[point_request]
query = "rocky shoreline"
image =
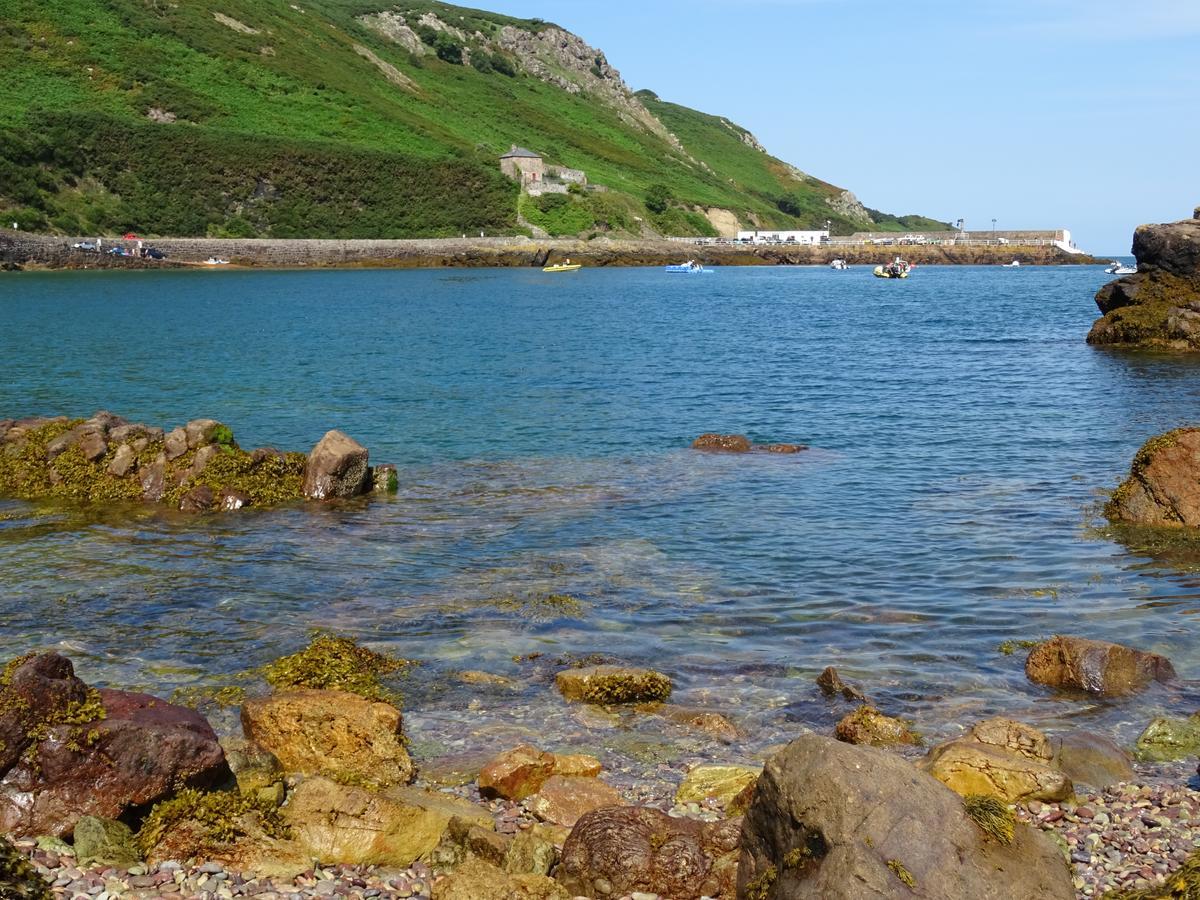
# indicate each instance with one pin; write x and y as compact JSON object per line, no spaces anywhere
{"x":319,"y":797}
{"x":19,"y":250}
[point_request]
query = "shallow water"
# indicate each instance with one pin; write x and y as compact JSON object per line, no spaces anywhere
{"x":963,"y":433}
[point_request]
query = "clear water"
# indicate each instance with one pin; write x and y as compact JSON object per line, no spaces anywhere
{"x":963,"y":433}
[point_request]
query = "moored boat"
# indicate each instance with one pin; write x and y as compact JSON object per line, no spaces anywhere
{"x":564,"y":266}
{"x":691,"y":267}
{"x":1119,"y":268}
{"x":839,"y":264}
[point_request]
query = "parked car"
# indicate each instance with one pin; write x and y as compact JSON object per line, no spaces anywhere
{"x":84,"y":245}
{"x":118,"y":251}
{"x":155,"y":253}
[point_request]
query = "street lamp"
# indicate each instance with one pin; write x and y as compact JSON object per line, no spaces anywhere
{"x":993,"y":231}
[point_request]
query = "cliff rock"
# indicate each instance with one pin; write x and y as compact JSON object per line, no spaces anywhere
{"x":1158,"y":308}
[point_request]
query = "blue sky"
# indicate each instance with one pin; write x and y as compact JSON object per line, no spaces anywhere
{"x":1083,"y":114}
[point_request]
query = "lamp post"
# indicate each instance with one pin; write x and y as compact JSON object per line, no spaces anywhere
{"x":993,"y":231}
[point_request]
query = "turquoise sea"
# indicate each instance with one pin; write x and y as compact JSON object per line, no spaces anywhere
{"x":963,"y":438}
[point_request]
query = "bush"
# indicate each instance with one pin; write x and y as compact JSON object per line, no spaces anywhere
{"x":658,"y":198}
{"x":790,"y":205}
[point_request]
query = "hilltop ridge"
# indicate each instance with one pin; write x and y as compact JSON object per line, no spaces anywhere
{"x":360,"y":118}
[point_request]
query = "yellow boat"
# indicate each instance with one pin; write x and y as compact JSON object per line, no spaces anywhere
{"x":567,"y":266}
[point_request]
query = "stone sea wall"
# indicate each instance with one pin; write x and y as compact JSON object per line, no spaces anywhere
{"x":22,"y":250}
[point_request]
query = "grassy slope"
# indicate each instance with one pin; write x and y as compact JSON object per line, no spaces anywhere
{"x":295,"y":105}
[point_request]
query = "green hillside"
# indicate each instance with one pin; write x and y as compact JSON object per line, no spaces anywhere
{"x":351,"y":118}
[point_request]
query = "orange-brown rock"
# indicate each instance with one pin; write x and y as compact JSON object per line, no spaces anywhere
{"x":1163,"y":487}
{"x":1098,"y":667}
{"x":722,"y":443}
{"x":333,"y":733}
{"x":565,"y":799}
{"x":516,"y":774}
{"x":1001,"y":758}
{"x":577,"y":764}
{"x":867,"y":725}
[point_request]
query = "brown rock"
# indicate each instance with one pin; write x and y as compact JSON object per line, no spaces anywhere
{"x":580,"y":765}
{"x":867,"y":725}
{"x":230,"y":499}
{"x":57,"y":769}
{"x":713,"y":724}
{"x":565,"y":799}
{"x":153,"y":479}
{"x":92,"y":445}
{"x":615,"y":852}
{"x":455,"y":769}
{"x":783,"y":448}
{"x":1163,"y":487}
{"x":722,"y":443}
{"x":1002,"y":758}
{"x":831,"y":683}
{"x":338,"y":823}
{"x":610,"y":685}
{"x":337,"y":467}
{"x":479,"y":880}
{"x":1092,"y":759}
{"x":463,"y":838}
{"x":830,"y":821}
{"x":124,"y":460}
{"x":1095,"y":666}
{"x":517,"y":773}
{"x":175,"y":444}
{"x":198,"y":499}
{"x":199,"y":432}
{"x":202,"y":458}
{"x":332,"y":733}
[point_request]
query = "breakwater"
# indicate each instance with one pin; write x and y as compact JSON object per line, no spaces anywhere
{"x":23,"y":250}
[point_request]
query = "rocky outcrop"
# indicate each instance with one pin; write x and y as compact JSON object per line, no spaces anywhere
{"x":1000,"y":758}
{"x":837,"y":822}
{"x":620,"y":851}
{"x":1163,"y":487}
{"x":1158,"y":308}
{"x":68,"y":751}
{"x":738,"y":443}
{"x":333,"y":733}
{"x":197,"y":467}
{"x":1098,"y":667}
{"x":848,"y":205}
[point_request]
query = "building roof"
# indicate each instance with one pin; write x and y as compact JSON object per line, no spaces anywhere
{"x":521,"y":153}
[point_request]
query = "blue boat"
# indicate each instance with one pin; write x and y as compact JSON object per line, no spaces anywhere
{"x":691,"y":267}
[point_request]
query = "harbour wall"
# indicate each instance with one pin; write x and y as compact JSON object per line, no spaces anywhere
{"x":31,"y":251}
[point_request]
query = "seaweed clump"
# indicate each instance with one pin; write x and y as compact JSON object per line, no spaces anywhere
{"x":992,"y":815}
{"x":19,"y":880}
{"x":216,"y":819}
{"x":1183,"y":884}
{"x":336,"y":663}
{"x":902,"y":873}
{"x":1008,"y":648}
{"x":760,"y":887}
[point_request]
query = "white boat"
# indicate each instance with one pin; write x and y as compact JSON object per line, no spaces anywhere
{"x":213,"y":261}
{"x":1015,"y":264}
{"x":839,"y":264}
{"x":691,"y":267}
{"x":1118,"y":268}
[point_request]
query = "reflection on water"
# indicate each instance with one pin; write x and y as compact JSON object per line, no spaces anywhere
{"x":964,"y":436}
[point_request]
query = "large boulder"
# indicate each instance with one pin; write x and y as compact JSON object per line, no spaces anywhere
{"x":337,"y":467}
{"x":334,"y":733}
{"x":1093,"y":759}
{"x":1159,"y":307}
{"x":68,"y":751}
{"x":1098,"y":667}
{"x":1001,"y":758}
{"x":1163,"y":487}
{"x":338,"y":823}
{"x":831,"y":821}
{"x":565,"y":799}
{"x":619,"y":851}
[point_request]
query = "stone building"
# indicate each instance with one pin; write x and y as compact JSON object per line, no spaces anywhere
{"x":535,"y":177}
{"x":523,"y":166}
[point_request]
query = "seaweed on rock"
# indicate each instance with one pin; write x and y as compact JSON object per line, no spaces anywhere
{"x":336,"y":663}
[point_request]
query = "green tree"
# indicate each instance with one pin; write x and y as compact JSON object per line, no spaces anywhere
{"x":658,"y":198}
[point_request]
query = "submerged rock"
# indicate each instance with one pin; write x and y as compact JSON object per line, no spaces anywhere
{"x":1092,"y":759}
{"x":1169,"y":738}
{"x":1098,"y":667}
{"x":837,"y":822}
{"x":67,"y":750}
{"x":831,"y":685}
{"x":720,"y":783}
{"x":1163,"y":487}
{"x":867,"y":725}
{"x":612,"y":685}
{"x":623,"y":850}
{"x":739,"y":443}
{"x":1000,"y":758}
{"x":1159,"y":307}
{"x":334,"y":733}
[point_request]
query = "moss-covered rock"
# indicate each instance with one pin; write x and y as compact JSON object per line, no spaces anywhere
{"x":613,"y":685}
{"x":104,"y":842}
{"x":1163,"y":487}
{"x":867,"y":725}
{"x":337,"y":663}
{"x":1169,"y":738}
